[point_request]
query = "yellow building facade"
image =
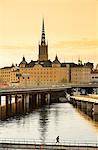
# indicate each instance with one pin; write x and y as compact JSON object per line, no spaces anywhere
{"x":80,"y":74}
{"x":36,"y":73}
{"x":44,"y":72}
{"x":39,"y":75}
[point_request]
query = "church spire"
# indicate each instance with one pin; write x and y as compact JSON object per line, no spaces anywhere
{"x":43,"y":47}
{"x":43,"y":34}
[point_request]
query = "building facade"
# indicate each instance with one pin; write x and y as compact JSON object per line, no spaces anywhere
{"x":44,"y":72}
{"x":80,"y":74}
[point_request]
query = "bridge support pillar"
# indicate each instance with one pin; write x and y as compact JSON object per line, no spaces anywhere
{"x":8,"y":105}
{"x":74,"y":102}
{"x":8,"y":97}
{"x":38,"y":98}
{"x":84,"y":106}
{"x":95,"y":108}
{"x":96,"y":90}
{"x":24,"y":102}
{"x":16,"y":103}
{"x":10,"y":102}
{"x":89,"y":108}
{"x":47,"y":98}
{"x":13,"y":105}
{"x":3,"y":107}
{"x":43,"y":98}
{"x":34,"y":99}
{"x":0,"y":106}
{"x":95,"y":111}
{"x":79,"y":104}
{"x":19,"y":104}
{"x":0,"y":99}
{"x":30,"y":101}
{"x":27,"y":102}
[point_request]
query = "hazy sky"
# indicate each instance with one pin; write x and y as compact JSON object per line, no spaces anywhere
{"x":71,"y":28}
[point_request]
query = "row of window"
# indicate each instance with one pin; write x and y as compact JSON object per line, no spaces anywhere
{"x":42,"y":69}
{"x":95,"y":77}
{"x":5,"y":75}
{"x":37,"y":77}
{"x":43,"y":72}
{"x":43,"y":80}
{"x":5,"y":72}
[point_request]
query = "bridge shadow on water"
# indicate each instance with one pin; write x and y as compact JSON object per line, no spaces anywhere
{"x":23,"y":107}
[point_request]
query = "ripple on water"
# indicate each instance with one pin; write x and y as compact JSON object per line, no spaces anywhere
{"x":50,"y":121}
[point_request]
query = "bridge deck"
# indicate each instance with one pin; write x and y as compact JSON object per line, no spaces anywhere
{"x":33,"y":89}
{"x":91,"y":98}
{"x":20,"y":144}
{"x":17,"y":146}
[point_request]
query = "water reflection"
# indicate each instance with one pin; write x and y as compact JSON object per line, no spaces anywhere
{"x":43,"y":122}
{"x":89,"y":118}
{"x":49,"y":121}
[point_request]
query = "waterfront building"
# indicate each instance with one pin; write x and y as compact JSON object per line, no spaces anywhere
{"x":81,"y":73}
{"x":94,"y":75}
{"x":44,"y":72}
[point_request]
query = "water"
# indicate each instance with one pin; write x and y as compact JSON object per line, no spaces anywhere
{"x":49,"y":121}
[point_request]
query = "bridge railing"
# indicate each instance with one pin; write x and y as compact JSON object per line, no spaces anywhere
{"x":49,"y":142}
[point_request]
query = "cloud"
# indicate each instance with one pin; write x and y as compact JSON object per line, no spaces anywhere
{"x":76,"y":44}
{"x":10,"y":47}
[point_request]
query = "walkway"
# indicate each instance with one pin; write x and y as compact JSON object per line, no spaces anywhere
{"x":11,"y":144}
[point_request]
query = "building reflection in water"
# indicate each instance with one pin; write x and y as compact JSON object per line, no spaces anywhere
{"x":46,"y":122}
{"x":43,"y":122}
{"x":16,"y":105}
{"x":26,"y":104}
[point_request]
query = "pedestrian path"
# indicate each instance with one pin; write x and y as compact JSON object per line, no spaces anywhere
{"x":14,"y":144}
{"x":44,"y":147}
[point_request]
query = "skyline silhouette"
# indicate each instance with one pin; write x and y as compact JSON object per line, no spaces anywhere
{"x":71,"y":29}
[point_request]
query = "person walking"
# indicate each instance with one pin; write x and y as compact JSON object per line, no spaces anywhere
{"x":57,"y":139}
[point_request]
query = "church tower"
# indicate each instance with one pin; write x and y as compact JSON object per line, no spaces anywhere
{"x":43,"y":47}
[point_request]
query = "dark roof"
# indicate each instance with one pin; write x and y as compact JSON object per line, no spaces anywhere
{"x":32,"y":63}
{"x":63,"y":64}
{"x":56,"y":61}
{"x":23,"y":61}
{"x":89,"y":64}
{"x":47,"y":63}
{"x":71,"y":64}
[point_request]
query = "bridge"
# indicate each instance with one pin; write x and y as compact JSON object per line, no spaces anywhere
{"x":16,"y":99}
{"x":85,"y":85}
{"x":21,"y":90}
{"x":33,"y":90}
{"x":20,"y":144}
{"x":19,"y":100}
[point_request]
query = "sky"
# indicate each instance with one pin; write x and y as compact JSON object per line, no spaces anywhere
{"x":71,"y":28}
